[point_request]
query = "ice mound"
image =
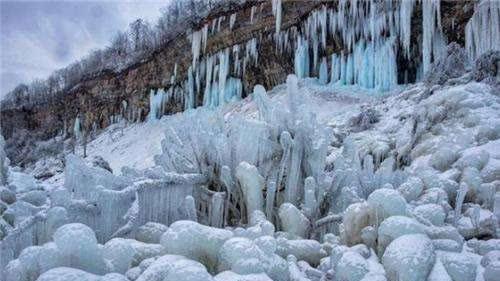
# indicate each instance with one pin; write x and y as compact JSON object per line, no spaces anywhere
{"x":173,"y":268}
{"x":195,"y":241}
{"x":409,"y":257}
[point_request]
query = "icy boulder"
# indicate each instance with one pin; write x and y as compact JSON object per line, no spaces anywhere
{"x":351,"y":267}
{"x":293,"y":221}
{"x":387,"y":202}
{"x":23,"y":182}
{"x":243,"y":256}
{"x":78,"y":244}
{"x":195,"y":241}
{"x":151,"y":232}
{"x":409,"y":257}
{"x":252,"y":184}
{"x":72,"y":274}
{"x":33,"y":261}
{"x":492,"y":271}
{"x":394,"y":227}
{"x":443,"y":158}
{"x":486,"y":67}
{"x":460,"y":266}
{"x":174,"y":268}
{"x":432,"y":213}
{"x":119,"y":254}
{"x":411,"y":189}
{"x":453,"y":64}
{"x":307,"y":250}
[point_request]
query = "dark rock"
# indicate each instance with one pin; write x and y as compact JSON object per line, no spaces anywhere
{"x":98,"y":161}
{"x":453,"y":65}
{"x":364,"y":120}
{"x":487,"y":68}
{"x":7,"y":195}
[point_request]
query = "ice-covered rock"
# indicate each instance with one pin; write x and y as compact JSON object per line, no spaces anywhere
{"x":174,"y":268}
{"x":432,"y":213}
{"x":78,"y":244}
{"x":394,"y":227}
{"x":23,"y":182}
{"x":387,"y":202}
{"x":452,"y":64}
{"x":151,"y":232}
{"x":411,"y":189}
{"x":492,"y":271}
{"x":409,"y":257}
{"x":195,"y":241}
{"x":351,"y":267}
{"x":119,"y":253}
{"x":243,"y":256}
{"x":34,"y":197}
{"x":307,"y":250}
{"x":460,"y":266}
{"x":6,"y":195}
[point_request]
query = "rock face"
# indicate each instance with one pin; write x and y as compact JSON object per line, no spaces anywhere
{"x":107,"y":95}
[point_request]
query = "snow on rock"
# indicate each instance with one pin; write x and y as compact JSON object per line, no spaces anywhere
{"x":243,"y":256}
{"x":387,"y":202}
{"x":351,"y":267}
{"x":78,"y":243}
{"x":432,"y":213}
{"x":119,"y":254}
{"x":394,"y":227}
{"x":409,"y":257}
{"x":151,"y":232}
{"x":173,"y":268}
{"x":195,"y":241}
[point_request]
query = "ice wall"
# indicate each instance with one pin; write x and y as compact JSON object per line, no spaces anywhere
{"x":482,"y":32}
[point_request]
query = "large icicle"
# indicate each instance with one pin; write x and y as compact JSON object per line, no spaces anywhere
{"x":277,"y":13}
{"x":482,"y":32}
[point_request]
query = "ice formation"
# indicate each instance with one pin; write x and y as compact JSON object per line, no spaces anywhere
{"x":303,"y":182}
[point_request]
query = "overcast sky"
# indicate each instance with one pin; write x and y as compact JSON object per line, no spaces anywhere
{"x":38,"y":37}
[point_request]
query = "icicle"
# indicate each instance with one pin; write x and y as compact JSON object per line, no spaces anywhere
{"x":77,"y":130}
{"x":232,"y":20}
{"x":196,"y":38}
{"x":482,"y":32}
{"x":190,"y":208}
{"x":252,"y":14}
{"x":430,"y":18}
{"x":277,"y":13}
{"x":405,"y":13}
{"x":301,"y":60}
{"x":189,"y":104}
{"x":270,"y":195}
{"x":323,"y":72}
{"x":223,"y":72}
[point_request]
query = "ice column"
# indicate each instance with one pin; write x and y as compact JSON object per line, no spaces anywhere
{"x":482,"y":32}
{"x":277,"y":13}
